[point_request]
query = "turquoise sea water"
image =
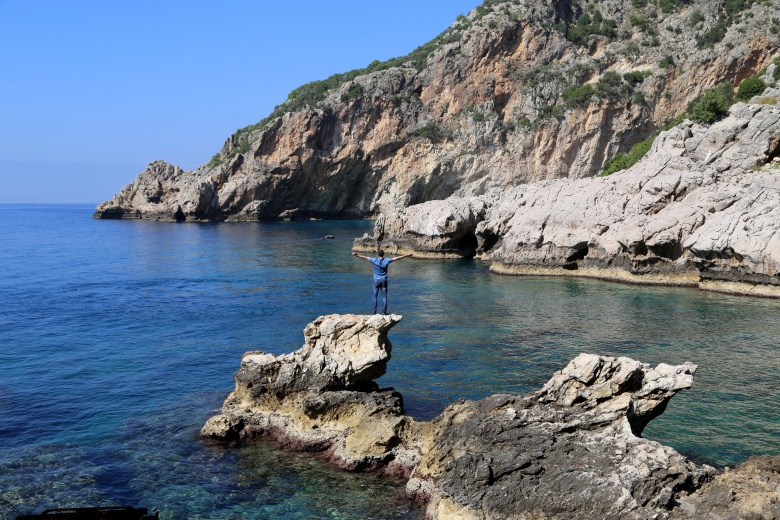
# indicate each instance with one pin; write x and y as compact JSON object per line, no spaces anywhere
{"x":119,"y":338}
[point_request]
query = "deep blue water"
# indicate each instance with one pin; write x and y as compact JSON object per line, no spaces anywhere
{"x":119,"y":338}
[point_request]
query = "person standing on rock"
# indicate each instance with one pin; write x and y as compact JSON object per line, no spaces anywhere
{"x":380,"y":276}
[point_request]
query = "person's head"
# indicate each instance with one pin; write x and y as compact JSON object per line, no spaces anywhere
{"x":380,"y":253}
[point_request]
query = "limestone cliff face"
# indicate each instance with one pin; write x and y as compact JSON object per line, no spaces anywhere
{"x":482,"y":112}
{"x":699,"y":209}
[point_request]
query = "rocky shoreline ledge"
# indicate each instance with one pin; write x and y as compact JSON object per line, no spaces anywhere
{"x":570,"y":450}
{"x":700,"y":209}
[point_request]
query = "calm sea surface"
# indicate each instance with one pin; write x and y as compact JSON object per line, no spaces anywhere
{"x":118,"y":339}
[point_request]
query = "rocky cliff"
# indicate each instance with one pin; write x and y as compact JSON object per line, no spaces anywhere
{"x":517,"y":91}
{"x":699,"y":209}
{"x":571,"y":450}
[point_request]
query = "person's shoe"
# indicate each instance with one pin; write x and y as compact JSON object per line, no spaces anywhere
{"x":384,"y":314}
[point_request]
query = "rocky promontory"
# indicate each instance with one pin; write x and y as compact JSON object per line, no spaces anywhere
{"x":573,"y":449}
{"x":700,"y":209}
{"x":517,"y":91}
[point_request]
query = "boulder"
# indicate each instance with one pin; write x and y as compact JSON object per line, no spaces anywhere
{"x":438,"y":229}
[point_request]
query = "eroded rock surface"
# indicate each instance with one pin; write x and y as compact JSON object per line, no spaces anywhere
{"x":322,"y":397}
{"x":749,"y":491}
{"x":571,"y":450}
{"x":481,"y":111}
{"x":699,"y":209}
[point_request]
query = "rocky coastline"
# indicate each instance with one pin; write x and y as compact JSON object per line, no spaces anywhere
{"x":515,"y":92}
{"x":573,"y":449}
{"x":698,"y":210}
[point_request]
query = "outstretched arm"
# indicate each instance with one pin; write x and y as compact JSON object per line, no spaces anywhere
{"x":402,"y":257}
{"x":360,"y":256}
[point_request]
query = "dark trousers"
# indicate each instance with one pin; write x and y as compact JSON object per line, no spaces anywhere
{"x":380,"y":285}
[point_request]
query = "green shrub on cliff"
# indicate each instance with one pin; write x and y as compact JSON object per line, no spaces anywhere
{"x":587,"y":26}
{"x":355,"y":91}
{"x":612,"y":86}
{"x":622,"y":161}
{"x":712,"y":105}
{"x":215,"y":161}
{"x":669,"y":6}
{"x":578,"y":96}
{"x":750,"y":87}
{"x":432,"y":131}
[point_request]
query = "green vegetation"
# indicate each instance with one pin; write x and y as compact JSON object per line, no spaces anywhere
{"x":695,"y":18}
{"x":432,"y":132}
{"x":218,"y":159}
{"x":669,"y":6}
{"x":714,"y":35}
{"x":667,"y":62}
{"x":730,"y":11}
{"x":355,"y":91}
{"x":630,"y":50}
{"x":750,"y":87}
{"x":642,"y":23}
{"x":712,"y":105}
{"x":621,"y":161}
{"x":587,"y":26}
{"x":215,"y":161}
{"x":611,"y":85}
{"x":578,"y":96}
{"x":636,"y":77}
{"x":776,"y":73}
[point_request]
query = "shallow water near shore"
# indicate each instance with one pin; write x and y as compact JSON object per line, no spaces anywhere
{"x":118,"y":339}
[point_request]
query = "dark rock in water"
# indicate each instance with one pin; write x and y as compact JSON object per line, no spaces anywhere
{"x":571,"y":450}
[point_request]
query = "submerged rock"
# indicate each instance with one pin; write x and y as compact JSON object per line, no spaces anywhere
{"x":573,"y":449}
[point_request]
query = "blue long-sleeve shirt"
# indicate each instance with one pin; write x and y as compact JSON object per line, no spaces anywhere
{"x":380,"y":267}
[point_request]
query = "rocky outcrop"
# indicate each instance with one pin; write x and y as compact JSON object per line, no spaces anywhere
{"x":699,"y":209}
{"x":476,"y":111}
{"x":751,"y":490}
{"x":439,"y":229}
{"x":571,"y":450}
{"x":322,"y":397}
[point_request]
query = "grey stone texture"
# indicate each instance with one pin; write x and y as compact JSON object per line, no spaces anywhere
{"x":571,"y":450}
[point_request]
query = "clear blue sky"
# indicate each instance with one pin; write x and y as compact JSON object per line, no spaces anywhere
{"x":91,"y":91}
